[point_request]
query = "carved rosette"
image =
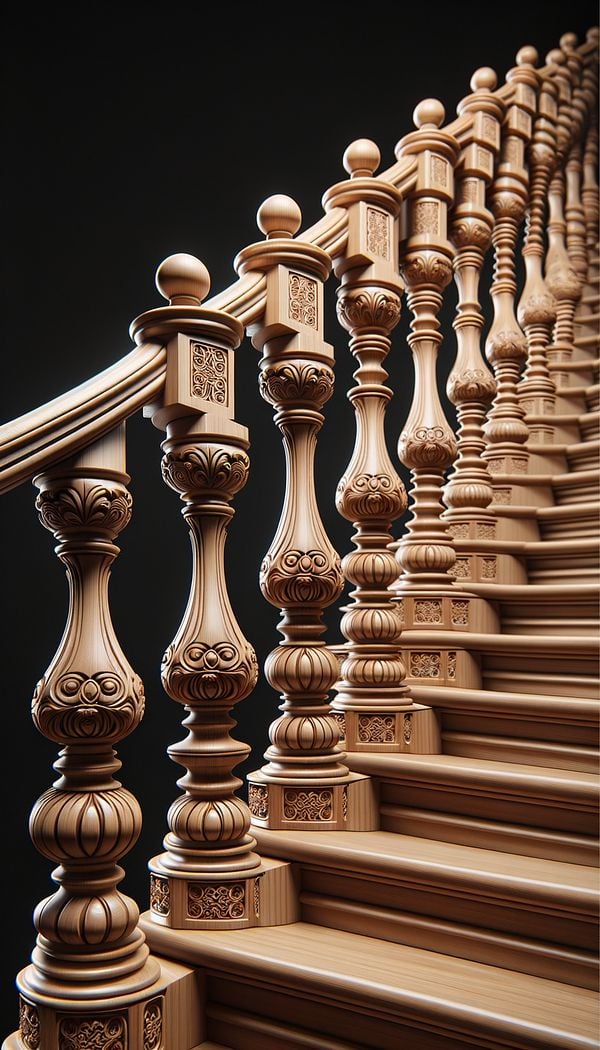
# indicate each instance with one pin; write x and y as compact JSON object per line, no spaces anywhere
{"x":88,"y":700}
{"x":209,"y":667}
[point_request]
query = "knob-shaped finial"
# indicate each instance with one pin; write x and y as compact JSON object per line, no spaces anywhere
{"x":555,"y":57}
{"x":183,"y":280}
{"x":279,"y":216}
{"x":527,"y":56}
{"x":362,"y":158}
{"x":568,"y":41}
{"x":593,"y":35}
{"x":429,"y":113}
{"x":484,"y":79}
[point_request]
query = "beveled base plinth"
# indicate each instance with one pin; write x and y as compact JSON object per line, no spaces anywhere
{"x":266,"y":896}
{"x":350,"y":805}
{"x":412,"y":730}
{"x":451,"y":610}
{"x":147,"y":1019}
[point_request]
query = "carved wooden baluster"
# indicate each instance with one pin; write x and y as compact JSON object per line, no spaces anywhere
{"x":574,"y":213}
{"x":506,"y":346}
{"x":537,"y":308}
{"x":305,"y":783}
{"x":561,"y":278}
{"x":208,"y":875}
{"x":91,"y":973}
{"x":373,"y":705}
{"x":427,"y":444}
{"x":471,"y":386}
{"x":589,"y":191}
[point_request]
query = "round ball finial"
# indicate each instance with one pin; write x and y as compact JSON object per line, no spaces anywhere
{"x":527,"y":56}
{"x":429,"y":113}
{"x":555,"y":57}
{"x":279,"y":216}
{"x":568,"y":41}
{"x":362,"y":158}
{"x":183,"y":279}
{"x":593,"y":35}
{"x":484,"y":79}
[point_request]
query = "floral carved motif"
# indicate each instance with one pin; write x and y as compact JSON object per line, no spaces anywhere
{"x":371,"y":495}
{"x":306,"y":382}
{"x":461,"y":569}
{"x":307,"y":805}
{"x":486,"y":532}
{"x":340,"y":718}
{"x":469,"y":232}
{"x":258,"y":800}
{"x":257,"y":897}
{"x":202,"y":671}
{"x":193,"y":468}
{"x":427,"y":447}
{"x":472,"y":384}
{"x":302,"y":301}
{"x":376,"y":729}
{"x":361,"y":308}
{"x":427,"y":268}
{"x":502,"y":496}
{"x":106,"y":705}
{"x":509,"y":206}
{"x":160,"y":897}
{"x":428,"y":611}
{"x":209,"y":379}
{"x":451,"y":665}
{"x":439,"y":172}
{"x":208,"y":900}
{"x":29,"y":1024}
{"x":425,"y":665}
{"x":86,"y":504}
{"x":378,"y":233}
{"x":299,"y":577}
{"x":488,"y":568}
{"x":153,"y":1024}
{"x":93,"y":1033}
{"x":425,"y":217}
{"x":460,"y":531}
{"x":460,"y":613}
{"x":407,"y":727}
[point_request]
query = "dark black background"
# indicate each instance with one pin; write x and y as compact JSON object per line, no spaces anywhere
{"x":127,"y":139}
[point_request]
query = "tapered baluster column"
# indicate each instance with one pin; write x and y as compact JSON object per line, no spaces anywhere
{"x":471,"y":386}
{"x":209,"y":875}
{"x":589,"y":191}
{"x":305,"y":783}
{"x":373,"y":705}
{"x":574,"y":213}
{"x":91,"y":975}
{"x":537,"y":308}
{"x":506,"y":346}
{"x":561,"y":278}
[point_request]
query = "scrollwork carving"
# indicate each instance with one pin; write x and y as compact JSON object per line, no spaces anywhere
{"x":203,"y":671}
{"x":160,"y":896}
{"x":368,"y":308}
{"x":371,"y":496}
{"x":475,"y":384}
{"x":286,"y":383}
{"x":307,"y":805}
{"x":29,"y":1024}
{"x":93,"y":1033}
{"x":205,"y":468}
{"x":258,"y":801}
{"x":376,"y":729}
{"x":84,"y":505}
{"x":425,"y":665}
{"x":153,"y":1024}
{"x":427,"y":447}
{"x":212,"y":901}
{"x":297,"y":577}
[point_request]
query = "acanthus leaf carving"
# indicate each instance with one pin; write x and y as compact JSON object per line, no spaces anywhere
{"x":427,"y":268}
{"x":359,"y":308}
{"x":85,"y":504}
{"x":202,"y":468}
{"x":288,"y":382}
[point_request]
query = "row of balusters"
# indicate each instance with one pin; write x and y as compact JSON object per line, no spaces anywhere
{"x":530,"y":159}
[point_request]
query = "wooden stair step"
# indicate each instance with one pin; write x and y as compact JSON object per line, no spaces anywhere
{"x":570,"y":560}
{"x":585,"y":341}
{"x":568,"y":520}
{"x":369,"y":993}
{"x":536,"y":797}
{"x":576,"y":487}
{"x":498,"y":677}
{"x":527,"y":752}
{"x":583,"y":454}
{"x":593,"y":317}
{"x":589,"y":425}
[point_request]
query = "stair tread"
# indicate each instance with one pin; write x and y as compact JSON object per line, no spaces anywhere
{"x":574,"y":709}
{"x":502,"y":643}
{"x":394,"y":978}
{"x":508,"y":777}
{"x":505,"y":875}
{"x":566,"y":510}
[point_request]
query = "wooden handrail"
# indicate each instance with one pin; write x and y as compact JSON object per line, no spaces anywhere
{"x":67,"y":424}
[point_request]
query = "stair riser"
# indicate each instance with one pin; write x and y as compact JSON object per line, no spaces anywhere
{"x":569,"y":528}
{"x":545,"y":684}
{"x":543,"y":730}
{"x":527,"y":753}
{"x":485,"y":834}
{"x":540,"y":625}
{"x":544,"y":664}
{"x":396,"y":924}
{"x":248,"y":1016}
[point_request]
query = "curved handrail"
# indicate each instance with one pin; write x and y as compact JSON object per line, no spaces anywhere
{"x":65,"y":425}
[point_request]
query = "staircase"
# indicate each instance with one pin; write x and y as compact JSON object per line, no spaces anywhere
{"x":461,"y":910}
{"x":471,"y":917}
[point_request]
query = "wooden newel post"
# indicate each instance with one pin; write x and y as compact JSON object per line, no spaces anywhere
{"x":305,"y":783}
{"x":91,"y":982}
{"x":209,"y":875}
{"x":373,"y":705}
{"x":471,"y":386}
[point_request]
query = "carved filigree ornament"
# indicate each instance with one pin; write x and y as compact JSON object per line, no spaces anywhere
{"x":371,"y":495}
{"x":302,"y":303}
{"x":212,"y":901}
{"x":362,"y":308}
{"x":85,"y":505}
{"x":29,"y":1024}
{"x":427,"y":447}
{"x":93,"y":1033}
{"x":153,"y":1024}
{"x":160,"y":897}
{"x":78,"y":706}
{"x":377,"y":729}
{"x":209,"y":672}
{"x":299,"y":577}
{"x":211,"y":468}
{"x":307,"y":805}
{"x":289,"y":382}
{"x":258,"y":801}
{"x":209,"y":379}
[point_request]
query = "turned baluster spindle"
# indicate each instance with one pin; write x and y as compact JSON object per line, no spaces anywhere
{"x":372,"y":701}
{"x":537,"y":308}
{"x":91,"y":962}
{"x":305,"y":782}
{"x":506,"y":346}
{"x":471,"y":386}
{"x":207,"y":875}
{"x":560,"y":276}
{"x":427,"y":445}
{"x":574,"y":213}
{"x":589,"y":191}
